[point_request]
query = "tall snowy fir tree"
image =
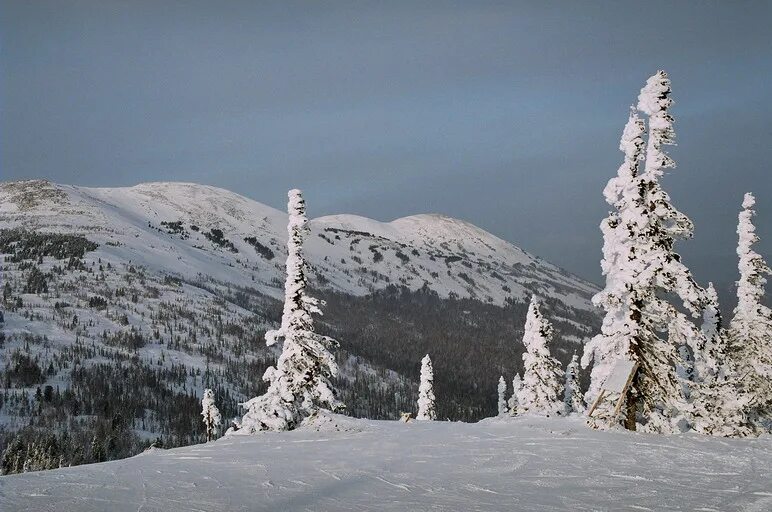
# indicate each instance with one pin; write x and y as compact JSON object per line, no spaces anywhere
{"x":517,"y":385}
{"x":211,"y":414}
{"x":621,"y":323}
{"x":299,"y":385}
{"x":502,"y":396}
{"x":542,"y":377}
{"x":572,"y":394}
{"x":641,"y":268}
{"x":750,"y":331}
{"x":426,"y":407}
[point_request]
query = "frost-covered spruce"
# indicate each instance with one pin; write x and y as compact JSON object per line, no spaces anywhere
{"x":712,"y":360}
{"x":708,"y":356}
{"x":211,"y":414}
{"x":666,"y":224}
{"x":718,"y":407}
{"x":299,"y":385}
{"x":679,"y":331}
{"x":542,"y":388}
{"x":572,"y":394}
{"x":502,"y":400}
{"x":622,"y":320}
{"x":641,"y":267}
{"x":426,"y":407}
{"x":750,"y":331}
{"x":517,"y":385}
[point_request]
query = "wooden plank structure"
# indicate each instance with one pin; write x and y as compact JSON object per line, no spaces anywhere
{"x":618,"y":381}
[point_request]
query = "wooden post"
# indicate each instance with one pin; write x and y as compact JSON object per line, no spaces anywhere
{"x":596,"y":402}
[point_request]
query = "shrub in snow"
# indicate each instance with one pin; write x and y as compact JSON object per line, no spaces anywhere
{"x":572,"y":395}
{"x":502,"y":400}
{"x":642,"y":270}
{"x":211,"y":414}
{"x":542,"y":378}
{"x":517,"y":385}
{"x":426,"y":407}
{"x":750,"y":331}
{"x":299,"y":385}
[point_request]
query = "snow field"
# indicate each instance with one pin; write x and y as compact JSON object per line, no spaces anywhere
{"x":525,"y":463}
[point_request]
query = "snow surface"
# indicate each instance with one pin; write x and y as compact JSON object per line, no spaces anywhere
{"x":531,"y":464}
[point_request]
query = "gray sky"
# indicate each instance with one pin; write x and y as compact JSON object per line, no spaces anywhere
{"x":505,"y":114}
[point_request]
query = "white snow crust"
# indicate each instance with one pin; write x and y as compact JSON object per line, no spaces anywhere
{"x":341,"y":464}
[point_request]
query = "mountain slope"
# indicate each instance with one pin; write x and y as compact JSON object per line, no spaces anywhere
{"x":348,"y":253}
{"x":121,"y":305}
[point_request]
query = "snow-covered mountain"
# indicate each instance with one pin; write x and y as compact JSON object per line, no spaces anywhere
{"x":120,"y":305}
{"x":173,"y":228}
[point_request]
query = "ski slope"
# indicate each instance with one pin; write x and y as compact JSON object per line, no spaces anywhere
{"x":342,"y":464}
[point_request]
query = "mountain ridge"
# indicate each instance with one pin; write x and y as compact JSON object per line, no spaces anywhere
{"x":491,"y":272}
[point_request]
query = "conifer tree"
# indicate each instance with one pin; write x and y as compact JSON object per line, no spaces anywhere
{"x":750,"y":331}
{"x":711,"y":360}
{"x":502,"y":391}
{"x":517,"y":385}
{"x":211,"y":414}
{"x":572,"y":395}
{"x":683,"y":334}
{"x":426,"y":407}
{"x":300,"y":383}
{"x":718,"y":407}
{"x":621,"y":323}
{"x":542,"y":377}
{"x":642,"y":269}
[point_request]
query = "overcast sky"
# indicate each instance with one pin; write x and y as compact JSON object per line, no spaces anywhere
{"x":505,"y":114}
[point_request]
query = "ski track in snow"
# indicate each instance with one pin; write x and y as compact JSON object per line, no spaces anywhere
{"x":530,"y":464}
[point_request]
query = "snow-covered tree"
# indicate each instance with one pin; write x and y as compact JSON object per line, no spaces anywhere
{"x":502,"y":391}
{"x":711,"y":360}
{"x":682,"y":333}
{"x":642,"y":270}
{"x":426,"y":408}
{"x":542,"y":376}
{"x":572,"y":394}
{"x":299,"y":385}
{"x":718,"y":406}
{"x":517,"y":385}
{"x":622,"y":320}
{"x":751,"y":317}
{"x":750,"y":331}
{"x":211,"y":414}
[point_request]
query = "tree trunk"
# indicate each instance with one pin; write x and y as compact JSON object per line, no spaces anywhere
{"x":632,"y":407}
